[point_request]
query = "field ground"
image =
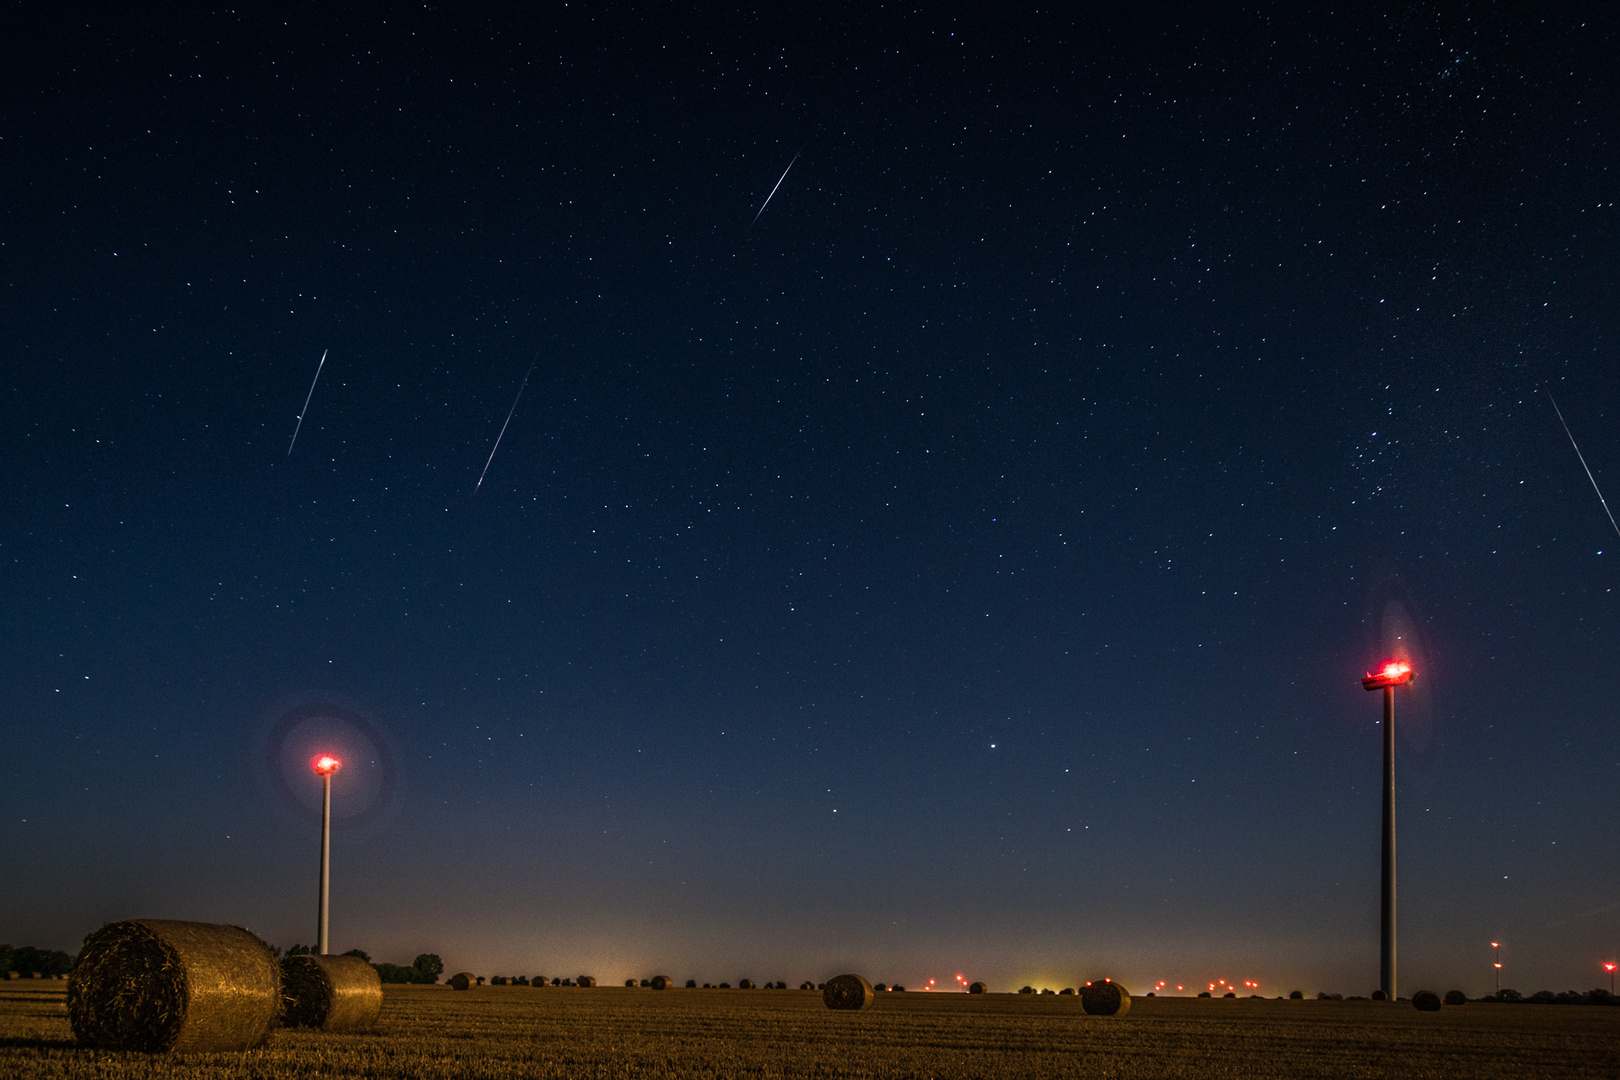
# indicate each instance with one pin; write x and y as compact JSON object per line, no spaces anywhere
{"x":433,"y":1032}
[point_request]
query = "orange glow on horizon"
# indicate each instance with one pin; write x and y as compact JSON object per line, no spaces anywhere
{"x":325,"y":764}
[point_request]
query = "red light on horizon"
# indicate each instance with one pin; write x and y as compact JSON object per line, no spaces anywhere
{"x":325,"y":764}
{"x":1609,"y":966}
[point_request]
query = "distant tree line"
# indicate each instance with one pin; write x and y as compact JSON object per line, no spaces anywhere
{"x":25,"y":960}
{"x":1547,"y":997}
{"x":425,"y":969}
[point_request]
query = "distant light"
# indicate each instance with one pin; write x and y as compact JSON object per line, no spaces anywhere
{"x":1609,"y":966}
{"x":325,"y":764}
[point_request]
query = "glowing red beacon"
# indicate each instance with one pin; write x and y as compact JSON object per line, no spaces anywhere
{"x":1394,"y":673}
{"x":326,"y":765}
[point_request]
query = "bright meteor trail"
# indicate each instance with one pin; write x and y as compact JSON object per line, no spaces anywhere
{"x":502,"y":435}
{"x":307,"y":396}
{"x":1582,"y":458}
{"x":779,"y":180}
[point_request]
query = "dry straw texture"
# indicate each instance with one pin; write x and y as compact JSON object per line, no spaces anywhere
{"x":848,"y":992}
{"x":333,"y":993}
{"x":1426,"y":1001}
{"x":158,"y":985}
{"x":1105,"y":998}
{"x":462,"y":980}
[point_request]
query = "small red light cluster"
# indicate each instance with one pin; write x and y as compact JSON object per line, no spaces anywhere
{"x":325,"y":764}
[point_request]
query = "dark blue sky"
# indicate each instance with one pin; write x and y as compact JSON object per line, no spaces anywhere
{"x":968,"y":567}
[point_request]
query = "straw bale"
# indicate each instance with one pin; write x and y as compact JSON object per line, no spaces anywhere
{"x":333,"y":993}
{"x":1104,"y":997}
{"x":462,"y":980}
{"x":977,"y":988}
{"x":662,"y":982}
{"x":537,"y":980}
{"x":158,"y":985}
{"x":584,"y":980}
{"x":1426,"y":1001}
{"x":848,"y":992}
{"x":807,"y":986}
{"x":1456,"y":997}
{"x":745,"y":984}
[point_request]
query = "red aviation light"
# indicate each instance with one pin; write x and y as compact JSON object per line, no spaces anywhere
{"x":325,"y":764}
{"x":1394,"y":673}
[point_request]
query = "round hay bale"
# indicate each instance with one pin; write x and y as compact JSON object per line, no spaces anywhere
{"x":333,"y":993}
{"x":630,"y":982}
{"x":662,"y":982}
{"x":807,"y":986}
{"x":848,"y":992}
{"x":977,"y":988}
{"x":1105,"y":998}
{"x":537,"y":980}
{"x":1426,"y":1001}
{"x":584,"y":980}
{"x":745,"y":984}
{"x":1456,"y":997}
{"x":158,"y":985}
{"x":461,"y":980}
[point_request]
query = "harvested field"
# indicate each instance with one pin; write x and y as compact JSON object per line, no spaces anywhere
{"x":431,"y":1032}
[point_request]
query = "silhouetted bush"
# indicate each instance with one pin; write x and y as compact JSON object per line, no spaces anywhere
{"x":1296,"y":995}
{"x":1509,"y":995}
{"x":1204,"y":993}
{"x":26,"y":959}
{"x":691,"y":984}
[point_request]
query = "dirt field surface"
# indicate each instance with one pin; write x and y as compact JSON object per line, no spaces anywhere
{"x":432,"y":1032}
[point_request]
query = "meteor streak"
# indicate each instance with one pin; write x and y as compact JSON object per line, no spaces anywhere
{"x":1582,"y":458}
{"x":311,"y":394}
{"x":502,"y":435}
{"x":779,"y":180}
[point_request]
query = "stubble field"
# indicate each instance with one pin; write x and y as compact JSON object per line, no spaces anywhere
{"x":578,"y":1034}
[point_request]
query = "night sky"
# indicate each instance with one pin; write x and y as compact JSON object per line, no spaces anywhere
{"x":968,"y":566}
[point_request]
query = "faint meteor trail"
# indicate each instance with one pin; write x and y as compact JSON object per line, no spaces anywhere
{"x":772,"y":195}
{"x":502,"y":435}
{"x":311,"y":394}
{"x":1582,"y":457}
